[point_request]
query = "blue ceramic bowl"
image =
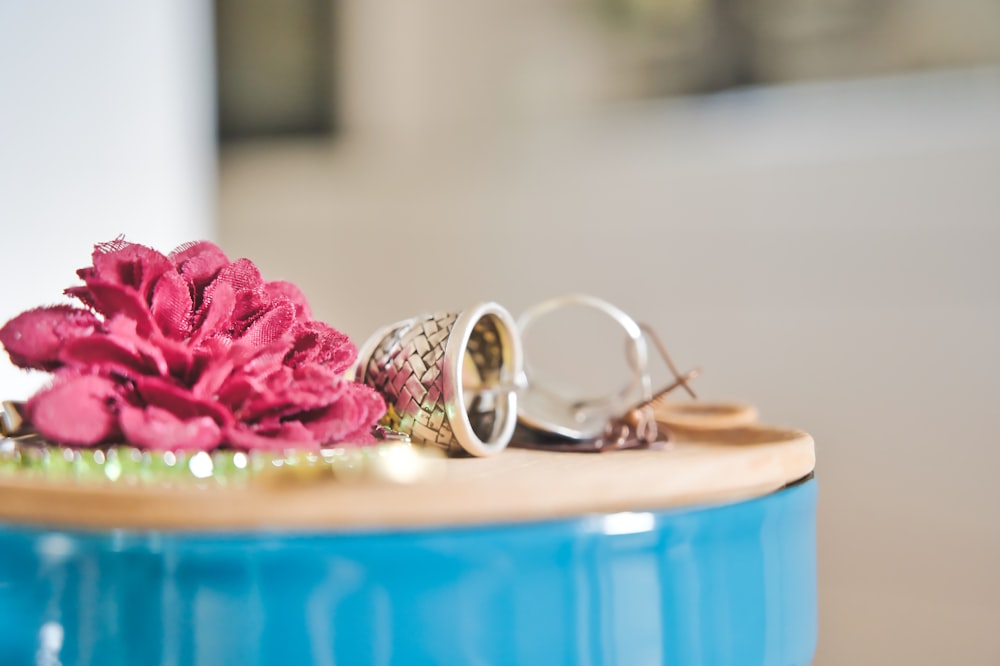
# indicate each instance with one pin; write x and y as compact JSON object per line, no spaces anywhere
{"x":730,"y":584}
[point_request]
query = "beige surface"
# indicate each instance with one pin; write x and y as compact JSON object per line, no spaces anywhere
{"x":703,"y":467}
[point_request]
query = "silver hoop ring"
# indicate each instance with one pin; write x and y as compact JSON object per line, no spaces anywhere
{"x":543,"y":409}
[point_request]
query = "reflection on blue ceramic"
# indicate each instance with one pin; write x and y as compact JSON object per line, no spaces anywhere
{"x":733,"y":584}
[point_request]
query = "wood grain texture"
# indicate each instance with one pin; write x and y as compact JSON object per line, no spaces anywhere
{"x":701,"y":415}
{"x":517,"y":485}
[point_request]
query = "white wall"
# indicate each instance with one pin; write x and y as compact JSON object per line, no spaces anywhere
{"x":106,"y":128}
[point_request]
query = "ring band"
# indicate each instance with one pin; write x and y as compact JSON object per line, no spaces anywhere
{"x":544,"y":410}
{"x":420,"y":367}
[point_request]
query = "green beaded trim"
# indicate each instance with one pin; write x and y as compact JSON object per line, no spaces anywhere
{"x":33,"y":458}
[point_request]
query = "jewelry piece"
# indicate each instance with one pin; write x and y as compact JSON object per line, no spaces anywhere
{"x":621,"y":419}
{"x":449,"y":380}
{"x":11,"y":421}
{"x":543,"y":409}
{"x":641,"y":419}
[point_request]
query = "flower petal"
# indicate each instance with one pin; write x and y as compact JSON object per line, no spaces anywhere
{"x":288,"y":391}
{"x":270,"y":326}
{"x":279,"y":289}
{"x":178,"y":400}
{"x":157,"y":428}
{"x":104,"y":355}
{"x":33,"y":339}
{"x":115,"y":300}
{"x":215,"y":314}
{"x":352,"y":416}
{"x":199,"y":262}
{"x":272,"y":438}
{"x":127,"y":265}
{"x":76,"y":410}
{"x":242,"y":274}
{"x":315,"y":342}
{"x":171,"y":306}
{"x":124,"y":331}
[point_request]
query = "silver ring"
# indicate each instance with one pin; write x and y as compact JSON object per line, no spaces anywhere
{"x":418,"y":365}
{"x":545,"y":410}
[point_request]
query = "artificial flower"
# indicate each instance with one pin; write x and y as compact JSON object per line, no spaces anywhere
{"x":189,"y":351}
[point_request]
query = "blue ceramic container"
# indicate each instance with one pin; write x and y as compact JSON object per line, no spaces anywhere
{"x":732,"y":584}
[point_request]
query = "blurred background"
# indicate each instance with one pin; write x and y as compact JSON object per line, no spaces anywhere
{"x":802,"y":197}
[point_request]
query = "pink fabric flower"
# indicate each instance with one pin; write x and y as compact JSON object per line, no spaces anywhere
{"x":189,"y":351}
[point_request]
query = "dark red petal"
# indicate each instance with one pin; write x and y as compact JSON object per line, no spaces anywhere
{"x":315,"y":342}
{"x":33,"y":339}
{"x":249,"y":305}
{"x":199,"y":262}
{"x":279,"y":289}
{"x":259,"y":360}
{"x":128,"y":265}
{"x":284,"y":436}
{"x":375,"y":410}
{"x":216,"y":312}
{"x":270,"y":326}
{"x":289,"y":392}
{"x":82,"y":294}
{"x":179,"y":400}
{"x":112,"y":300}
{"x":248,"y":288}
{"x":104,"y":356}
{"x":212,"y":376}
{"x":242,"y":274}
{"x":156,"y":428}
{"x":178,"y":356}
{"x":171,"y":306}
{"x":124,"y":331}
{"x":76,"y":410}
{"x":225,"y":365}
{"x":357,"y":409}
{"x":236,"y":390}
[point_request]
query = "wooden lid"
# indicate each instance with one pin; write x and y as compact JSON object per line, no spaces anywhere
{"x":704,"y":466}
{"x":700,"y":415}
